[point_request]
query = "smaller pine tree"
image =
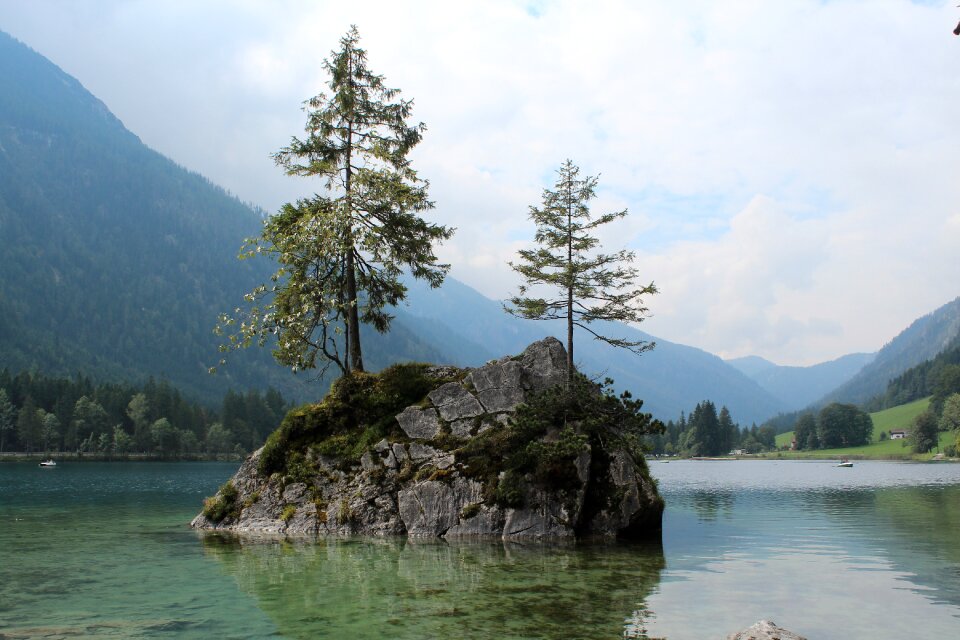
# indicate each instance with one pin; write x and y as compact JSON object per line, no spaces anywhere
{"x":588,"y":285}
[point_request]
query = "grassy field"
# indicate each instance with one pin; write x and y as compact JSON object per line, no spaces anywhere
{"x":894,"y":418}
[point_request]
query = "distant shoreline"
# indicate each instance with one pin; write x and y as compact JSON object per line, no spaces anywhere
{"x":794,"y":457}
{"x":19,"y":456}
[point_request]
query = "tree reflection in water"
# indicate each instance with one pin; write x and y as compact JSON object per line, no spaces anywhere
{"x":442,"y":589}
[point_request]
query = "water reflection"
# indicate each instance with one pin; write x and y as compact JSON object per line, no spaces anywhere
{"x":436,"y":589}
{"x":709,"y":504}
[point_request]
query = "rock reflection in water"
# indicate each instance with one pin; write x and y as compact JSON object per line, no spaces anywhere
{"x":412,"y":588}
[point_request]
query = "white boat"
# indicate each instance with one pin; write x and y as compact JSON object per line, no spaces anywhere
{"x":845,"y":463}
{"x":48,"y":463}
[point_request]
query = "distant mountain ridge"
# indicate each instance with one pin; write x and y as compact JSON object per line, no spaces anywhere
{"x":798,"y":387}
{"x":671,"y":379}
{"x":117,"y":261}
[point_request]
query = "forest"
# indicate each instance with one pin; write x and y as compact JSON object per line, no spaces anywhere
{"x":50,"y":414}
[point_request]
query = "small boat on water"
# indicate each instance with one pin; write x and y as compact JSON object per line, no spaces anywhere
{"x":845,"y":463}
{"x":48,"y":463}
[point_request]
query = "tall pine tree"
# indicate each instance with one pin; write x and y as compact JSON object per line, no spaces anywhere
{"x":588,"y":286}
{"x":343,"y":251}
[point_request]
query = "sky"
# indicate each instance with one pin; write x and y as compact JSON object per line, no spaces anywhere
{"x":790,"y":168}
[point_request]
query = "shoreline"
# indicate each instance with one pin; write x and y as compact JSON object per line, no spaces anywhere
{"x":19,"y":456}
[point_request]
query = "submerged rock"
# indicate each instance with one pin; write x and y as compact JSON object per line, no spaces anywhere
{"x":439,"y":467}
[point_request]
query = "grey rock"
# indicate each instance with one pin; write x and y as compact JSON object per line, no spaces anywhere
{"x":487,"y":522}
{"x":462,"y":428}
{"x":390,"y":460}
{"x":419,"y":423}
{"x":499,"y":385}
{"x":455,"y":402}
{"x":544,"y":364}
{"x":366,"y":500}
{"x":400,"y":453}
{"x":544,"y":515}
{"x":367,"y":462}
{"x":294,"y":492}
{"x":428,"y":508}
{"x":433,"y":508}
{"x":420,"y":452}
{"x":765,"y":630}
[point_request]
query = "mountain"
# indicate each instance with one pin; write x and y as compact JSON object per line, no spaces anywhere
{"x":670,"y":379}
{"x":116,"y":262}
{"x":798,"y":387}
{"x":921,"y":341}
{"x":751,"y":365}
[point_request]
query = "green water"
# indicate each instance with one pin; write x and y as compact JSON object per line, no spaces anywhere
{"x":102,"y":550}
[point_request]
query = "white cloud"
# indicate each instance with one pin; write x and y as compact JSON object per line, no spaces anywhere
{"x":790,"y":166}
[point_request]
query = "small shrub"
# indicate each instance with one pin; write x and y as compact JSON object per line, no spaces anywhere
{"x":344,"y":513}
{"x":222,"y":505}
{"x":288,"y":512}
{"x":508,"y":492}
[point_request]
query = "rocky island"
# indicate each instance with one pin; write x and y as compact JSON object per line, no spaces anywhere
{"x":503,"y":450}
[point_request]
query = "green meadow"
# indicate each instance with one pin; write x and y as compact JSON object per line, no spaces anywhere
{"x":900,"y":417}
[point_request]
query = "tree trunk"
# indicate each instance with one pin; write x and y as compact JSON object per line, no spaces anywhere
{"x":353,"y":312}
{"x":569,"y":285}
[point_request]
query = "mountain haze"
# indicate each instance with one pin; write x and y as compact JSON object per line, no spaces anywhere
{"x":921,"y":341}
{"x":117,"y":261}
{"x":798,"y":387}
{"x":670,"y":379}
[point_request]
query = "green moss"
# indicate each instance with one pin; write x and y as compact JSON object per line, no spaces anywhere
{"x":359,"y":410}
{"x":222,"y":505}
{"x":470,"y":511}
{"x":288,"y":512}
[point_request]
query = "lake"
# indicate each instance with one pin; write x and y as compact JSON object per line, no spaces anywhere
{"x":103,"y":550}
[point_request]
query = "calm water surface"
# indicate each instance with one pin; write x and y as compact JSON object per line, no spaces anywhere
{"x":102,"y":550}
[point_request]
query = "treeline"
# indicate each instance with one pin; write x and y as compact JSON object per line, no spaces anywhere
{"x":938,"y":377}
{"x":47,"y":414}
{"x":710,"y":433}
{"x":836,"y":425}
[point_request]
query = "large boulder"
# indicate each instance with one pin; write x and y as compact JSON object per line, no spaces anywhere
{"x":419,"y":482}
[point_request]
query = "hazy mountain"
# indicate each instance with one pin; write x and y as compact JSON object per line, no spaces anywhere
{"x":670,"y":379}
{"x":116,"y":262}
{"x":921,"y":341}
{"x":798,"y":387}
{"x":751,"y":365}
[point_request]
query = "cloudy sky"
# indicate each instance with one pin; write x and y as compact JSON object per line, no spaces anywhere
{"x":791,"y":168}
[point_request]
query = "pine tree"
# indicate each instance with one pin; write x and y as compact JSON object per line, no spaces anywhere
{"x":342,"y":252}
{"x":589,"y":286}
{"x":8,"y":417}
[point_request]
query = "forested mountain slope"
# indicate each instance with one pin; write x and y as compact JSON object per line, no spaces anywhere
{"x":921,"y":341}
{"x":116,"y":261}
